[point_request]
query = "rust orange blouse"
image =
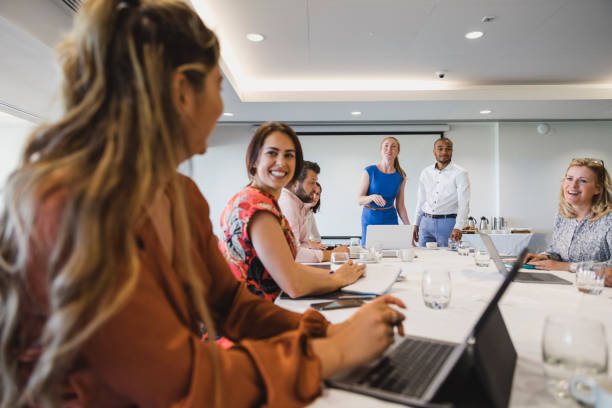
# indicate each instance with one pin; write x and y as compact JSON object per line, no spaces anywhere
{"x":149,"y":354}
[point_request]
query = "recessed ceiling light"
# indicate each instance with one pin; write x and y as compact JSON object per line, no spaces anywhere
{"x":485,"y":111}
{"x":356,"y":113}
{"x":473,"y":35}
{"x":228,"y":114}
{"x":255,"y":37}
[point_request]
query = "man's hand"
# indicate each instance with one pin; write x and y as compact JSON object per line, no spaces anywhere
{"x":456,"y":235}
{"x":415,"y":235}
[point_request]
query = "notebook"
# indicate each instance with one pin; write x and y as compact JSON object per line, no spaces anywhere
{"x":420,"y":371}
{"x":377,"y":280}
{"x":523,"y":277}
{"x":390,"y":236}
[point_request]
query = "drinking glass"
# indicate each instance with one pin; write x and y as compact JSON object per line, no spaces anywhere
{"x":571,"y":346}
{"x":436,"y":288}
{"x":406,"y":255}
{"x":338,"y":259}
{"x":482,"y":258}
{"x":355,"y":246}
{"x":590,"y":277}
{"x":452,"y":244}
{"x":376,"y":252}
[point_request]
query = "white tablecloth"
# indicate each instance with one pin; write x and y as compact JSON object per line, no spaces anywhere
{"x":506,"y":244}
{"x":524,"y":308}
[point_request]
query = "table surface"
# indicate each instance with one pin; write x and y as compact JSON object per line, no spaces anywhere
{"x":524,"y":308}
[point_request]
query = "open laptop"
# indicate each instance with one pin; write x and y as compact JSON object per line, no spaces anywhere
{"x":390,"y":237}
{"x":524,"y":277}
{"x":426,"y":373}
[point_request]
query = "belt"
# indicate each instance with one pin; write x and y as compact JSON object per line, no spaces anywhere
{"x":377,"y":208}
{"x":440,"y":215}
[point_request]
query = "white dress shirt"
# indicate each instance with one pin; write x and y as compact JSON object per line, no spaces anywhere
{"x":295,"y":212}
{"x":442,"y":192}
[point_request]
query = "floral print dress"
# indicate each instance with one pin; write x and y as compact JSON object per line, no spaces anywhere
{"x":236,"y":245}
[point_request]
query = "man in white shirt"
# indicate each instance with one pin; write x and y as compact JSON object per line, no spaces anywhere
{"x":291,"y":202}
{"x":443,"y":198}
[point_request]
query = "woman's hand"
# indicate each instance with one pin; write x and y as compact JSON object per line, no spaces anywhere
{"x":378,"y":200}
{"x":316,"y":245}
{"x":349,"y":273}
{"x":550,"y":265}
{"x":535,"y":257}
{"x":369,"y":331}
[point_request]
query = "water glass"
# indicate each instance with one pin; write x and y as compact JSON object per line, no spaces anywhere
{"x":590,"y":277}
{"x":376,"y":252}
{"x":482,"y":258}
{"x":572,"y":346}
{"x":338,"y":259}
{"x":436,"y":288}
{"x":355,"y":242}
{"x":452,"y":244}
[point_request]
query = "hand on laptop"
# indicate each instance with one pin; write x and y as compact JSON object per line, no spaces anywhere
{"x":366,"y":334}
{"x":550,"y":265}
{"x":535,"y":257}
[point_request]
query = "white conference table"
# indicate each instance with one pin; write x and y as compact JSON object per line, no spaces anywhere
{"x":506,"y":244}
{"x":524,"y":308}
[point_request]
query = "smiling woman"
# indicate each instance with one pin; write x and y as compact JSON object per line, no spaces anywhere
{"x":583,"y":227}
{"x":257,"y":240}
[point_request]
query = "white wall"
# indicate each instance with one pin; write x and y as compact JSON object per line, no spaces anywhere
{"x":221,"y":172}
{"x":13,"y":134}
{"x":514,"y":171}
{"x":532,"y":165}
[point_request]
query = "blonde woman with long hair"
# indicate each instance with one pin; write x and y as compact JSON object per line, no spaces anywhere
{"x":108,"y":266}
{"x":583,"y":226}
{"x":381,"y":189}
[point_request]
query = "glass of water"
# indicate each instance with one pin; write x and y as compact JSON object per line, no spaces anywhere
{"x":436,"y":288}
{"x":590,"y":277}
{"x":338,"y":259}
{"x":571,"y":346}
{"x":482,"y":258}
{"x":452,"y":244}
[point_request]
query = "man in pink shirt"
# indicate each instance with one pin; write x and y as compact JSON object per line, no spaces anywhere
{"x":291,"y":201}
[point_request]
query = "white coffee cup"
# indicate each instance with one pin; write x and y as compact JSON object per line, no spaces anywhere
{"x":431,"y":245}
{"x":406,"y":255}
{"x":598,"y":395}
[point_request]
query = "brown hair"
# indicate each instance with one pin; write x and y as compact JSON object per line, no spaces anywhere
{"x":602,"y":202}
{"x":113,"y":152}
{"x":257,"y":143}
{"x":396,"y":161}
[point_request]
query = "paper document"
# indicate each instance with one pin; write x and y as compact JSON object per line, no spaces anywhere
{"x":378,"y":279}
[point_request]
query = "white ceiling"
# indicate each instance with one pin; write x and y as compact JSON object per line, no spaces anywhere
{"x":322,"y":59}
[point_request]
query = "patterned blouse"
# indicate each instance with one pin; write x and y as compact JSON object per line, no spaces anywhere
{"x":236,"y":245}
{"x":577,"y":241}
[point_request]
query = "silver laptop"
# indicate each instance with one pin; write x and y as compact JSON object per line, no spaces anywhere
{"x":390,"y":237}
{"x":525,"y":277}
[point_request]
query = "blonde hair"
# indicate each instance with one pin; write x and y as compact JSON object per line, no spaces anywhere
{"x":117,"y":145}
{"x":602,"y":202}
{"x":396,"y":161}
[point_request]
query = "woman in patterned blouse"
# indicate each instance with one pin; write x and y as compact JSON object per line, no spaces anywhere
{"x":257,"y":241}
{"x":583,"y":226}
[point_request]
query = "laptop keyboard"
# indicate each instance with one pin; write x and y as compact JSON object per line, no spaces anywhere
{"x":409,"y":368}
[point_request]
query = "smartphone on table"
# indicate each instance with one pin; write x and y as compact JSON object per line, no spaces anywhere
{"x":337,"y":304}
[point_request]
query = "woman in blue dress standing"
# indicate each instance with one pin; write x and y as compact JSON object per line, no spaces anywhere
{"x":381,"y":185}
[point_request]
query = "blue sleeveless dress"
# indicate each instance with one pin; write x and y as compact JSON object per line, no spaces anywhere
{"x":387,"y":185}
